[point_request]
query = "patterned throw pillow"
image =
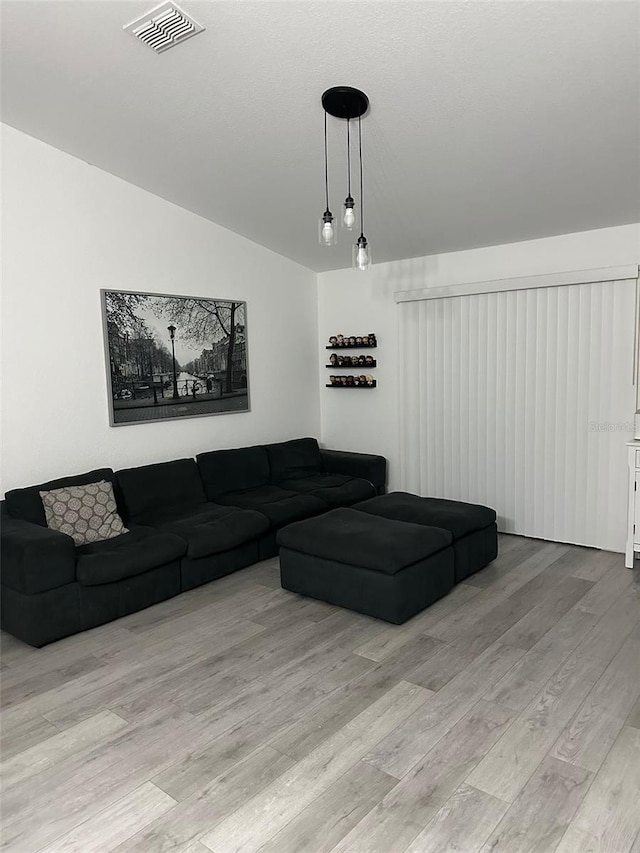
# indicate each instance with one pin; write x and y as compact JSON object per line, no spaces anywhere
{"x":86,"y":513}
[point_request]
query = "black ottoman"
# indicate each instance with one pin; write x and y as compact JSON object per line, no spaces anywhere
{"x":378,"y":566}
{"x":473,"y":527}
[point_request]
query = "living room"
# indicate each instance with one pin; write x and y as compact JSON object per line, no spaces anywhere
{"x":501,"y":196}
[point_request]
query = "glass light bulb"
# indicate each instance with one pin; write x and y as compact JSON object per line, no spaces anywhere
{"x":361,"y":254}
{"x":327,"y":229}
{"x":349,"y":217}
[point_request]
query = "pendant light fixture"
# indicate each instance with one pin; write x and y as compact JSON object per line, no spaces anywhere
{"x":327,"y":233}
{"x":361,"y":251}
{"x":349,"y":218}
{"x":347,"y":103}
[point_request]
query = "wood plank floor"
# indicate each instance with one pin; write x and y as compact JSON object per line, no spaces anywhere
{"x":240,"y":718}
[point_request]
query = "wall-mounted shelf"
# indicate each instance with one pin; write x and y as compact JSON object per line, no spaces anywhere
{"x":373,"y":385}
{"x":351,"y":367}
{"x":356,"y":370}
{"x":355,"y":346}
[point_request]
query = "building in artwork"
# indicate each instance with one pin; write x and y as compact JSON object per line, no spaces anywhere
{"x":215,"y":361}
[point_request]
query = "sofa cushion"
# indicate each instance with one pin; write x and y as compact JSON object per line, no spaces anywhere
{"x":224,"y":471}
{"x":210,"y":529}
{"x":27,"y":504}
{"x":86,"y":513}
{"x":365,"y":466}
{"x":152,"y":490}
{"x":455,"y":516}
{"x":33,"y":558}
{"x":295,"y":459}
{"x":280,"y":506}
{"x":334,"y":489}
{"x":357,"y":539}
{"x":133,"y":553}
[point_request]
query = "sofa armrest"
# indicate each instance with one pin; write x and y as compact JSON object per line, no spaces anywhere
{"x":35,"y":558}
{"x":366,"y":466}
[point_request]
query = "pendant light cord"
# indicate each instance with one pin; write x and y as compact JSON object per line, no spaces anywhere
{"x":361,"y":193}
{"x":326,"y":164}
{"x":349,"y":157}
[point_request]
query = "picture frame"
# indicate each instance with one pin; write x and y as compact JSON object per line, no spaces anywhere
{"x":171,"y":356}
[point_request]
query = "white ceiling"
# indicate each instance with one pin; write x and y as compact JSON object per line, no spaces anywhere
{"x":490,"y":122}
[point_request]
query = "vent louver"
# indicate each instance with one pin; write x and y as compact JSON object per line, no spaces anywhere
{"x":164,"y":27}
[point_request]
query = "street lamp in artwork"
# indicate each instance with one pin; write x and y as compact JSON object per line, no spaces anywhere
{"x":172,"y":332}
{"x":149,"y":340}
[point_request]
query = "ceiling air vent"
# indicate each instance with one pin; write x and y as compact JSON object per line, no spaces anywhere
{"x":164,"y":27}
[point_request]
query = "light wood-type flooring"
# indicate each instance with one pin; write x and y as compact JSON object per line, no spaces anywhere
{"x":239,"y":717}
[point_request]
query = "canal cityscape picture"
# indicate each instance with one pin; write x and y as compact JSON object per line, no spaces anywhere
{"x":173,"y":356}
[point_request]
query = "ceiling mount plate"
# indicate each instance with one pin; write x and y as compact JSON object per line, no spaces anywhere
{"x":345,"y":102}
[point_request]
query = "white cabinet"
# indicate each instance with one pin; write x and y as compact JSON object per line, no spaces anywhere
{"x":633,"y":518}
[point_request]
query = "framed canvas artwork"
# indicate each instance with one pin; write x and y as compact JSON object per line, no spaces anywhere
{"x":174,"y":356}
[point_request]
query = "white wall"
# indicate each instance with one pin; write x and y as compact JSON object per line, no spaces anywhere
{"x":352,"y":302}
{"x":70,"y":229}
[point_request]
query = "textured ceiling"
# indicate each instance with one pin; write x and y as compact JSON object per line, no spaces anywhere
{"x":490,"y":122}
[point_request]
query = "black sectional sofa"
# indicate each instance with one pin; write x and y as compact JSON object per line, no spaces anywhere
{"x":189,"y":522}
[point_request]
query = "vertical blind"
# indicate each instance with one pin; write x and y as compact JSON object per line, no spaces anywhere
{"x":522,"y":400}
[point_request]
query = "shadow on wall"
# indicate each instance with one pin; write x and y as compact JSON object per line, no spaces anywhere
{"x":407,"y":274}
